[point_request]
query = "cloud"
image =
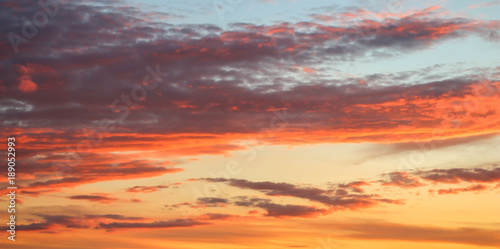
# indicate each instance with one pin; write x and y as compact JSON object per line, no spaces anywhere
{"x":223,"y":86}
{"x":112,"y":217}
{"x":156,"y":224}
{"x":355,"y":186}
{"x":483,"y":4}
{"x":146,"y":189}
{"x":457,"y":175}
{"x":211,"y":202}
{"x":92,"y":170}
{"x":96,"y":197}
{"x":179,"y":204}
{"x":344,"y":196}
{"x":57,"y":223}
{"x":26,"y":84}
{"x":334,"y":199}
{"x":476,"y":187}
{"x":440,"y":143}
{"x":203,"y":219}
{"x":402,"y":179}
{"x":280,"y":210}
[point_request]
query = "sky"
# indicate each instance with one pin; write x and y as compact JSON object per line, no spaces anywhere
{"x":251,"y":123}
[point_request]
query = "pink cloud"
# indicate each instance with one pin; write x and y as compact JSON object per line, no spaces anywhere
{"x":26,"y":84}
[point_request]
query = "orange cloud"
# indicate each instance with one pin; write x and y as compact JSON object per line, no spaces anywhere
{"x":477,"y":187}
{"x":26,"y":84}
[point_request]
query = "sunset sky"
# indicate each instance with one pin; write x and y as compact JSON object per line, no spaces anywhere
{"x":232,"y":124}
